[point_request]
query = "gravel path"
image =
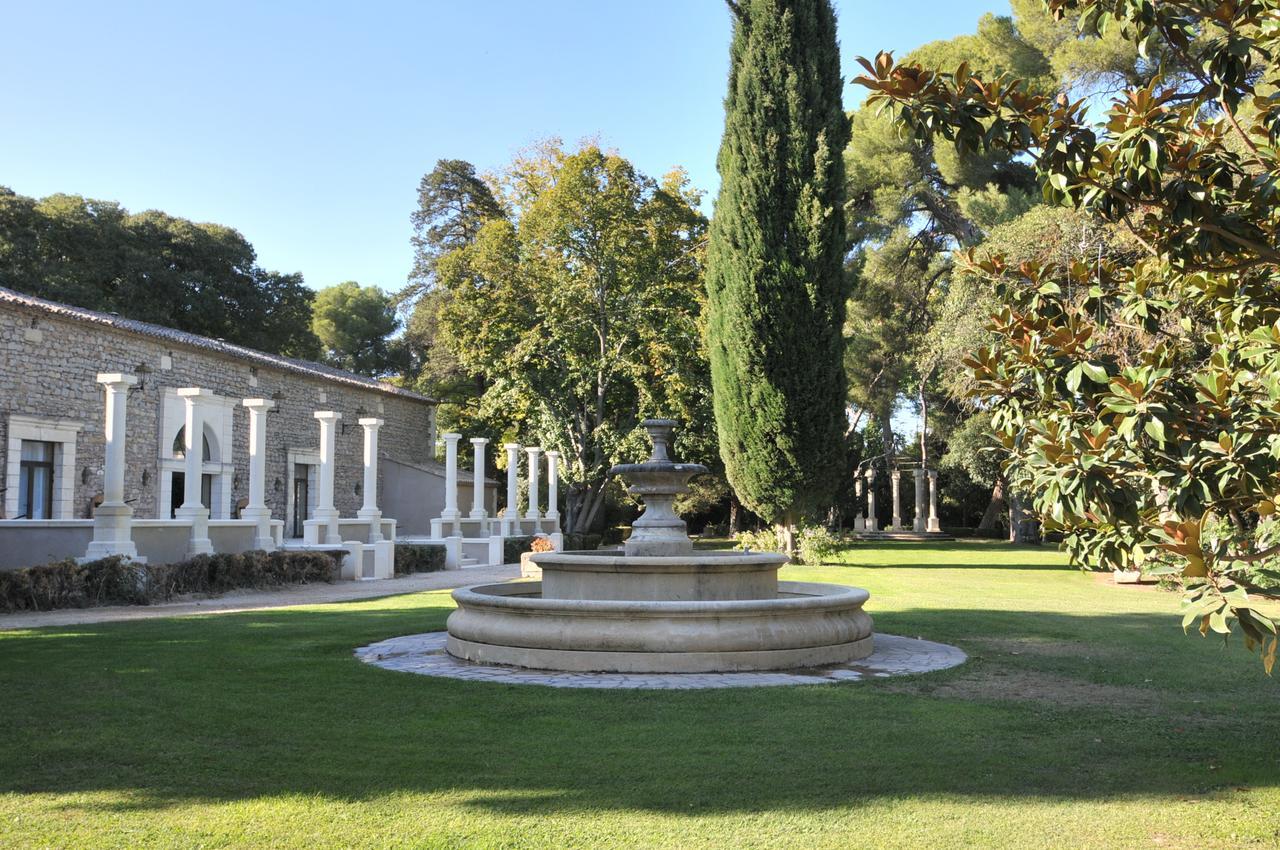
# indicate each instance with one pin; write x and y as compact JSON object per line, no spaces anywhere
{"x":255,"y":600}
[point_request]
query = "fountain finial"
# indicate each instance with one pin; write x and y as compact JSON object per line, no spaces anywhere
{"x":658,"y":531}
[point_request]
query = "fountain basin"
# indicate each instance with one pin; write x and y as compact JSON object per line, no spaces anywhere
{"x":804,"y":624}
{"x":696,"y":576}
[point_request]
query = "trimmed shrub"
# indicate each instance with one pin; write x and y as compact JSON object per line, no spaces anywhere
{"x":764,"y":540}
{"x":514,"y":547}
{"x":583,"y":542}
{"x":419,"y":558}
{"x":815,"y":545}
{"x":115,"y":581}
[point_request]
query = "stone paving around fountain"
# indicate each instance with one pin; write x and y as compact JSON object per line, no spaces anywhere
{"x":425,"y":655}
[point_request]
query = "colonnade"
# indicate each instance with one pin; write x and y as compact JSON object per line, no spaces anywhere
{"x":926,"y":487}
{"x":113,"y":519}
{"x":507,"y":521}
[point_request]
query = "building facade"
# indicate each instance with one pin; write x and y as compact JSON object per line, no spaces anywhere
{"x":52,"y":426}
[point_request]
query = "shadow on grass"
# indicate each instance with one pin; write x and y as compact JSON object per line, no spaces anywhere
{"x":264,"y":704}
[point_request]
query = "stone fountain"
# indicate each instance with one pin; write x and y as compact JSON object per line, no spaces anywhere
{"x":660,"y":606}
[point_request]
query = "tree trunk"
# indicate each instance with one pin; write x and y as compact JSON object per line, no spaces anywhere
{"x":886,"y":434}
{"x":734,"y":507}
{"x":996,"y":507}
{"x":786,"y":531}
{"x":1023,"y":527}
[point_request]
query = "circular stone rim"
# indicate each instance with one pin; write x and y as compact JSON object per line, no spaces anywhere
{"x":800,"y":599}
{"x":656,"y":564}
{"x":894,"y":655}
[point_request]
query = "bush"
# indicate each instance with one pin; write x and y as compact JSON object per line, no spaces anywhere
{"x":574,"y":542}
{"x":815,"y":545}
{"x":419,"y":558}
{"x":116,"y":581}
{"x":764,"y":540}
{"x":514,"y":547}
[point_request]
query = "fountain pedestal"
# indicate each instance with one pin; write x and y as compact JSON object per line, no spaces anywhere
{"x":660,"y":607}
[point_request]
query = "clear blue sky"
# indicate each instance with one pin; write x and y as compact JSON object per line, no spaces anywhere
{"x":308,"y":125}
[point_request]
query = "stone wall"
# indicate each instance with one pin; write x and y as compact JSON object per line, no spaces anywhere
{"x":48,"y":369}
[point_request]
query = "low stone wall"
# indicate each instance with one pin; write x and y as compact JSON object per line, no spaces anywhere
{"x":31,"y":542}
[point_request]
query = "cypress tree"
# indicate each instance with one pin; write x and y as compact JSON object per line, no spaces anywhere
{"x":775,"y":266}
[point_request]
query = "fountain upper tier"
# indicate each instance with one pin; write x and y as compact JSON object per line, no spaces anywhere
{"x":659,"y":530}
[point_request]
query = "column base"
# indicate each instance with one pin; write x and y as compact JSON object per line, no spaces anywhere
{"x":262,"y":538}
{"x":934,"y":525}
{"x":327,"y":519}
{"x":200,"y":543}
{"x":374,"y":518}
{"x":112,"y":534}
{"x":918,"y":526}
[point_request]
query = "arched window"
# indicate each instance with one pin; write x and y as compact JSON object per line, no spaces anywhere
{"x":180,"y":446}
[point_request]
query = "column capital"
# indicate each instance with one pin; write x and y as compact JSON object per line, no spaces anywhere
{"x":451,"y":437}
{"x":895,"y":475}
{"x":113,"y":379}
{"x":512,"y":447}
{"x":871,"y":473}
{"x":533,"y":450}
{"x":553,"y":453}
{"x":258,"y":405}
{"x":372,"y":423}
{"x":479,"y":441}
{"x":195,"y":393}
{"x":324,"y":415}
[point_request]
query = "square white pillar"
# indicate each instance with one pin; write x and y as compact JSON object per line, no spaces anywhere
{"x":553,"y":488}
{"x":511,"y":513}
{"x":477,"y":482}
{"x":533,"y":512}
{"x":326,"y":514}
{"x":450,"y":513}
{"x":871,"y":524}
{"x":896,"y":478}
{"x":113,"y":519}
{"x":257,"y":509}
{"x":934,"y":525}
{"x":918,"y":525}
{"x":193,"y":510}
{"x":370,"y":511}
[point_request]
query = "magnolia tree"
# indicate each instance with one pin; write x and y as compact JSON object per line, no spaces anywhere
{"x":1140,"y":400}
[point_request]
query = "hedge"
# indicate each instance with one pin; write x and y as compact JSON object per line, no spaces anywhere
{"x":419,"y":558}
{"x":116,"y":581}
{"x":514,"y":547}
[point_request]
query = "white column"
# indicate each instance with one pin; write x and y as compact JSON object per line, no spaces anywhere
{"x":369,"y":511}
{"x":553,"y":488}
{"x":859,"y":524}
{"x":511,"y":514}
{"x":192,"y":509}
{"x":871,"y":524}
{"x":477,"y":482}
{"x":257,"y":509}
{"x":326,"y":513}
{"x":896,"y":477}
{"x":934,"y":525}
{"x":918,"y":525}
{"x":113,"y":519}
{"x":533,"y":513}
{"x":450,"y":513}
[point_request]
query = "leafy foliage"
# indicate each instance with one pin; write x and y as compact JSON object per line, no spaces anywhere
{"x":355,"y":324}
{"x":1141,"y":399}
{"x":580,"y":311}
{"x":419,"y":558}
{"x":775,"y":283}
{"x":201,"y":278}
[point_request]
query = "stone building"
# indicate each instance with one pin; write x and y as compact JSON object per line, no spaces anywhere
{"x":52,"y":446}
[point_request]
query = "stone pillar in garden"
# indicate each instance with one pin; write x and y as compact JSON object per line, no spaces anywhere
{"x":193,"y":509}
{"x":533,"y":512}
{"x":477,"y":483}
{"x":369,"y":511}
{"x":326,"y":513}
{"x":553,"y":488}
{"x":511,"y":513}
{"x":871,"y":524}
{"x":918,"y":525}
{"x":113,"y":519}
{"x":896,"y":478}
{"x":934,"y":524}
{"x":257,"y":509}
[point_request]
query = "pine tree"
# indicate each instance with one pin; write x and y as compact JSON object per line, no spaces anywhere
{"x":775,"y":278}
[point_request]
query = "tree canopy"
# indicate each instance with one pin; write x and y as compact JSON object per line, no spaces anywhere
{"x":775,"y":281}
{"x":354,"y":325}
{"x":1140,"y":398}
{"x":154,"y":267}
{"x":578,"y":309}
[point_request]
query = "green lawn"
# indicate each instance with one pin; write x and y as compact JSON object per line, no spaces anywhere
{"x":1083,"y":718}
